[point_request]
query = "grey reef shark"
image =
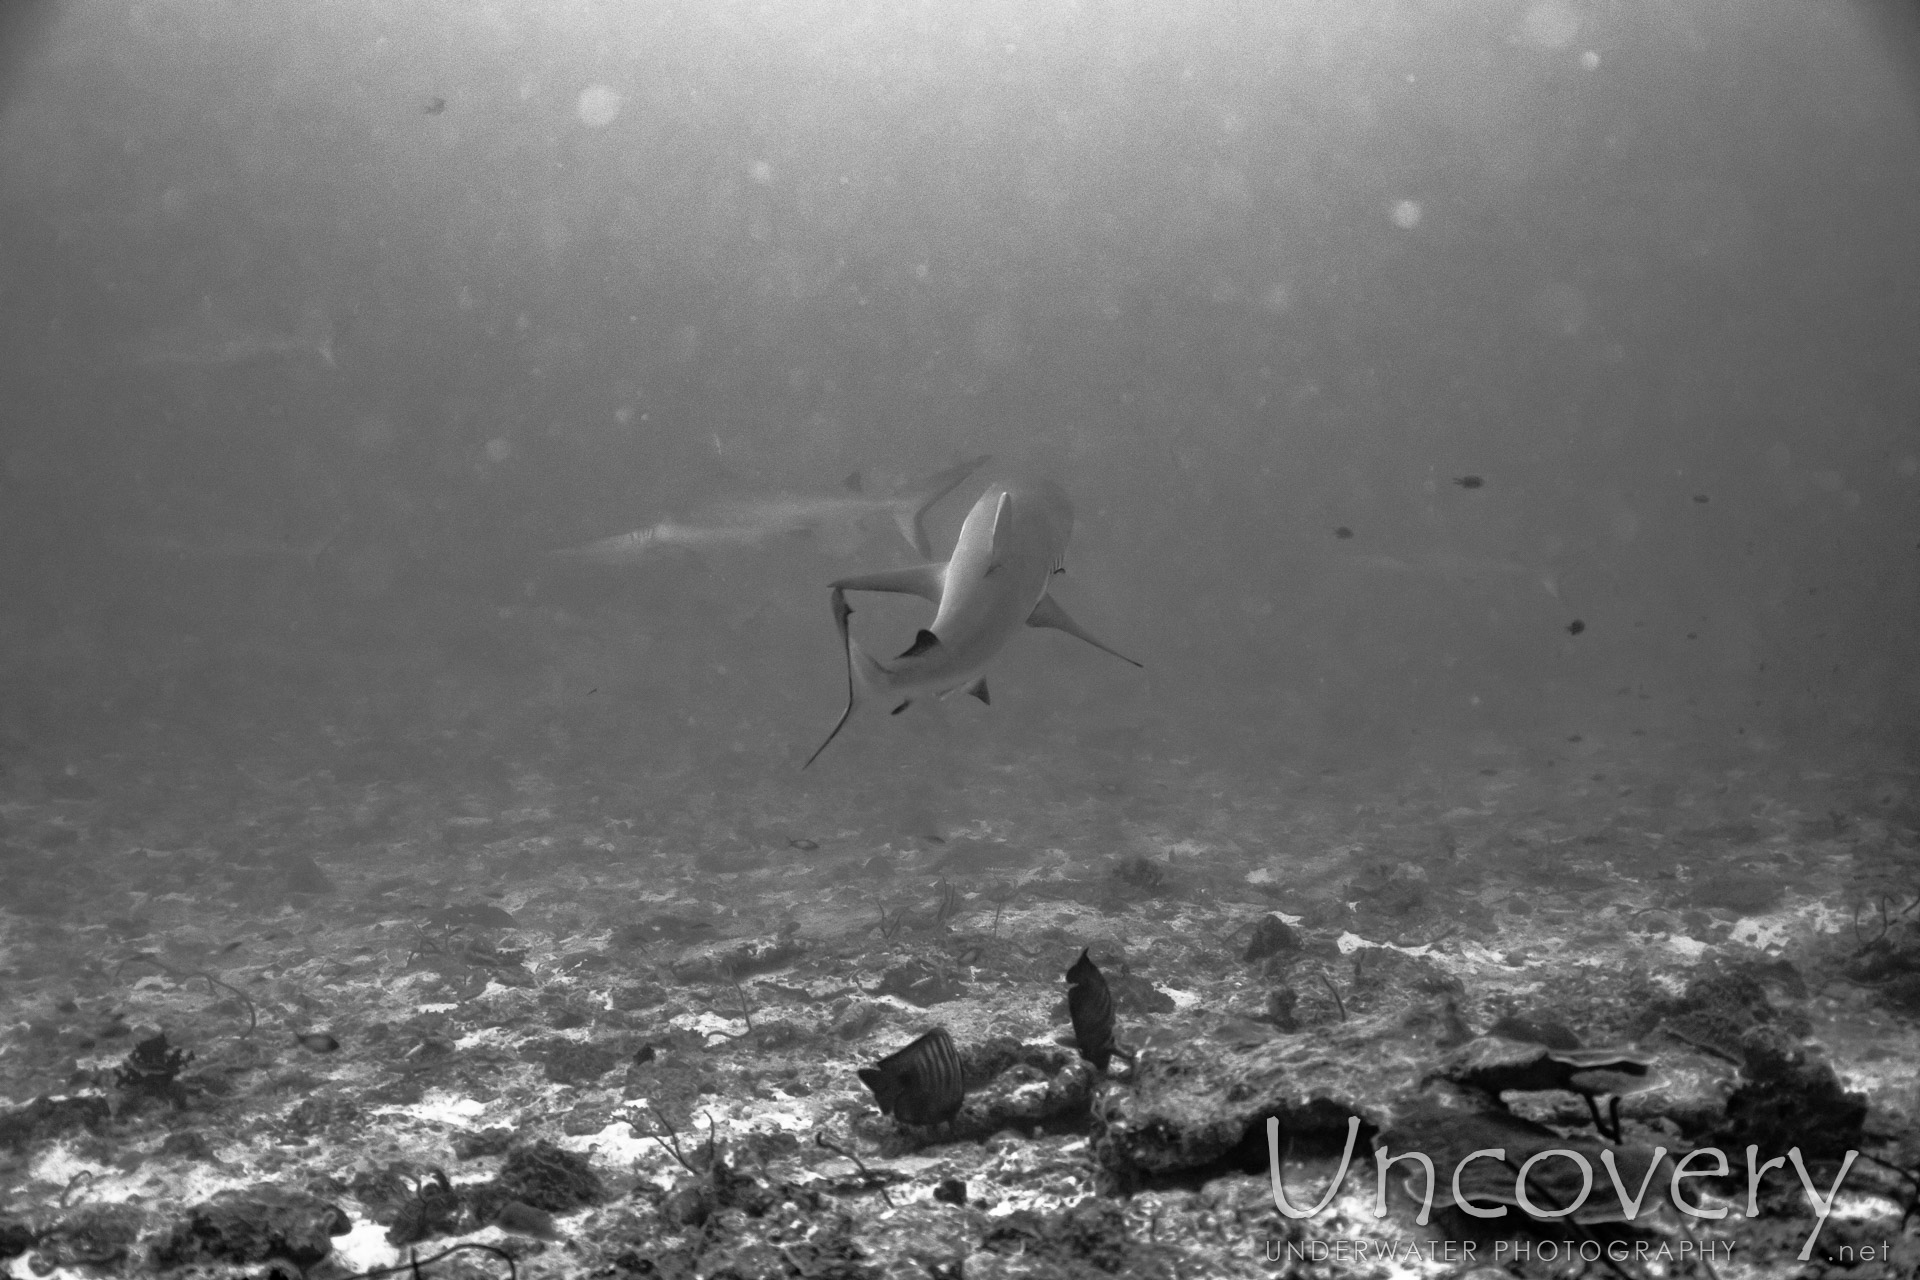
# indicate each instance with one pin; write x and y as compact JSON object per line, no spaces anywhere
{"x":1012,"y":543}
{"x":743,"y":522}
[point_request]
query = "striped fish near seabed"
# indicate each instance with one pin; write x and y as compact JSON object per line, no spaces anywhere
{"x":1013,"y":542}
{"x":1090,"y":1006}
{"x":213,"y":339}
{"x":740,"y":522}
{"x":922,"y":1084}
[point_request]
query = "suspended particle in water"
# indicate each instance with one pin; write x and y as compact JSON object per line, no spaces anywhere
{"x":1406,"y":214}
{"x":598,"y":106}
{"x":1575,"y":627}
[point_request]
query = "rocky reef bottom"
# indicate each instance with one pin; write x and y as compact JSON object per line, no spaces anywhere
{"x":1647,"y":1021}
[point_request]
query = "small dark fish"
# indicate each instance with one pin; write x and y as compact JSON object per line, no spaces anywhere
{"x":1575,"y":627}
{"x":435,"y":106}
{"x":317,"y":1041}
{"x":921,"y":1084}
{"x":1090,"y":1005}
{"x":1343,"y":532}
{"x":803,"y":844}
{"x":1469,"y":482}
{"x":1700,"y":497}
{"x":645,"y":1055}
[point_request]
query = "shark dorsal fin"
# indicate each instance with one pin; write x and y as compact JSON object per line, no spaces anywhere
{"x":921,"y":643}
{"x":979,"y":690}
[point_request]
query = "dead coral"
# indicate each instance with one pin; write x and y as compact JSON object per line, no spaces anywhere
{"x":1789,"y":1098}
{"x":257,"y":1225}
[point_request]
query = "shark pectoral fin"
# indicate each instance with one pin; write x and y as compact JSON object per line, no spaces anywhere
{"x":1002,"y":533}
{"x":902,"y":707}
{"x":921,"y":643}
{"x":910,"y":508}
{"x":979,"y":690}
{"x":1048,"y":613}
{"x":924,"y":580}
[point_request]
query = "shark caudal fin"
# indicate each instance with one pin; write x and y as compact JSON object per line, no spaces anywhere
{"x":910,"y":508}
{"x":861,"y":671}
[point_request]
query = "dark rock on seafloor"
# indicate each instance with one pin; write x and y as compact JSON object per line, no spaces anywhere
{"x":1447,"y":1127}
{"x":734,"y":959}
{"x":482,"y":1142}
{"x":44,"y":1118}
{"x":573,"y":1061}
{"x":1737,"y":889}
{"x":1789,"y":1098}
{"x":1719,"y":1007}
{"x":1200,"y":1107}
{"x":541,"y":1176}
{"x":16,"y":1237}
{"x":1271,"y":937}
{"x":93,"y":1235}
{"x":1133,"y":994}
{"x":434,"y":1209}
{"x":1089,"y":1239}
{"x":1535,"y":1030}
{"x":1496,"y":1064}
{"x":256,"y":1225}
{"x":302,"y":874}
{"x":524,"y":1220}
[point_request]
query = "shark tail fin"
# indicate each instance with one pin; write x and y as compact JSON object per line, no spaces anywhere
{"x":318,"y":548}
{"x":316,"y":329}
{"x":910,"y":508}
{"x":861,"y":671}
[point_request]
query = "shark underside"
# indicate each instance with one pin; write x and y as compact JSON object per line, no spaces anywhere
{"x":1013,"y":542}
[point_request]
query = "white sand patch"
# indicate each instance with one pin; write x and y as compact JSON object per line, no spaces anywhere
{"x":364,"y":1248}
{"x":439,"y":1107}
{"x":498,"y":1036}
{"x":1474,"y":953}
{"x":1352,"y":942}
{"x":1691,"y":948}
{"x":1774,"y":930}
{"x":60,"y":1166}
{"x":716,"y":1029}
{"x":1181,"y":999}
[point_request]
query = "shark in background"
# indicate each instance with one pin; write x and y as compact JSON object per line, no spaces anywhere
{"x":996,"y":582}
{"x":212,"y":338}
{"x":742,"y":522}
{"x":235,"y":546}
